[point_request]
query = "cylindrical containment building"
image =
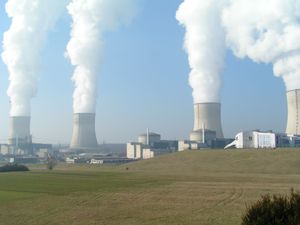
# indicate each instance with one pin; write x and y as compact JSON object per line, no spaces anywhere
{"x":293,"y":105}
{"x":84,"y":134}
{"x":19,"y":130}
{"x":208,"y":116}
{"x":149,"y":138}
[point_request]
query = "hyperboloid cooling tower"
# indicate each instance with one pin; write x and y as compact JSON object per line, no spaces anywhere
{"x":19,"y":130}
{"x":293,"y":103}
{"x":208,"y":116}
{"x":84,"y":134}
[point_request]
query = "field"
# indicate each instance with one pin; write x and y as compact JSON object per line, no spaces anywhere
{"x":194,"y":187}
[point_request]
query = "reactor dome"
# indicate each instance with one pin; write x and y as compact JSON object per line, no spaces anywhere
{"x":153,"y":138}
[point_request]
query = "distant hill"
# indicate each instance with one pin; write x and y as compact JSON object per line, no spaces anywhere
{"x":279,"y":161}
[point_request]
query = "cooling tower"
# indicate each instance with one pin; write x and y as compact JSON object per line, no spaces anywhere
{"x":208,"y":115}
{"x":293,"y":103}
{"x":19,"y":130}
{"x":84,"y":135}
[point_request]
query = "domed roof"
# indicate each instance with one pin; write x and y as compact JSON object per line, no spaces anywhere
{"x":150,"y":134}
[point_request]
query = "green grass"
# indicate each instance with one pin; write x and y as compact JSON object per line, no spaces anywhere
{"x":195,"y":187}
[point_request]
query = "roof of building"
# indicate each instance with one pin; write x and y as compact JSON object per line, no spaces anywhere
{"x":150,"y":134}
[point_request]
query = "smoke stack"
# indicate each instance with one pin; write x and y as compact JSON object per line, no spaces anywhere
{"x":84,"y":134}
{"x":208,"y":115}
{"x":19,"y":130}
{"x":293,"y":102}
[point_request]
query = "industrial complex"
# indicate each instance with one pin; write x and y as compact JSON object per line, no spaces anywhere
{"x":207,"y":133}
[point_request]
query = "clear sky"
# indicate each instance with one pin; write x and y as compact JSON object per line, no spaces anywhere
{"x":143,"y":83}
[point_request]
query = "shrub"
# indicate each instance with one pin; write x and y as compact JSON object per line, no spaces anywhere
{"x":275,"y":210}
{"x":13,"y":168}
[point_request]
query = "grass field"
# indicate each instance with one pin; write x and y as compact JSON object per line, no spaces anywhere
{"x":194,"y":187}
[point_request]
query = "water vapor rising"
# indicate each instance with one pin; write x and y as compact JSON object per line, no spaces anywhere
{"x":22,"y":43}
{"x":90,"y":19}
{"x":205,"y":45}
{"x":267,"y":31}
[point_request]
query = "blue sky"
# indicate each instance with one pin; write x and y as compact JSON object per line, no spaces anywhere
{"x":143,"y":83}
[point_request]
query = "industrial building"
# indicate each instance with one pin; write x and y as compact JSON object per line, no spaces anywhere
{"x":258,"y":139}
{"x":149,"y":138}
{"x":207,"y":131}
{"x":217,"y":143}
{"x":150,"y":145}
{"x":203,"y":135}
{"x":136,"y":150}
{"x":254,"y":139}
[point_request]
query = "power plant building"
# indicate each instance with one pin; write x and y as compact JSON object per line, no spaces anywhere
{"x":150,"y":145}
{"x":136,"y":150}
{"x":254,"y":139}
{"x":149,"y":138}
{"x":203,"y":135}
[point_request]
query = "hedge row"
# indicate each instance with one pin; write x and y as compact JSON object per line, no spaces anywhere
{"x":13,"y":168}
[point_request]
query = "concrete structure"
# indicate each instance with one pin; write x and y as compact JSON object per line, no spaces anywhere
{"x":190,"y":145}
{"x":254,"y":139}
{"x":150,"y":145}
{"x":147,"y":153}
{"x":19,"y":131}
{"x":136,"y":150}
{"x":287,"y":140}
{"x":149,"y":138}
{"x":294,"y":141}
{"x":84,"y":134}
{"x":293,"y":120}
{"x":203,"y":135}
{"x":208,"y":116}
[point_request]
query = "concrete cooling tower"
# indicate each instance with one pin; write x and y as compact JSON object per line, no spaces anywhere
{"x":207,"y":116}
{"x":19,"y":130}
{"x":293,"y":103}
{"x":84,"y":134}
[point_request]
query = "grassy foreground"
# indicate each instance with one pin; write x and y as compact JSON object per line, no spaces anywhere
{"x":195,"y":187}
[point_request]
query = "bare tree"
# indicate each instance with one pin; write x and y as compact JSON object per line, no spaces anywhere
{"x":50,"y":162}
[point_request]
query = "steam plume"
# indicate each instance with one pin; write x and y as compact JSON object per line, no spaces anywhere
{"x":269,"y":32}
{"x":22,"y":43}
{"x":205,"y":45}
{"x":90,"y":19}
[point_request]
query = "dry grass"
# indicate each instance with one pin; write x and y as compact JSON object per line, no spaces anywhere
{"x":197,"y":187}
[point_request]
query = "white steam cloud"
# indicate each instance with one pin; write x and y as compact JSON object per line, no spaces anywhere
{"x":267,"y":31}
{"x":205,"y":45}
{"x":22,"y":43}
{"x":91,"y":18}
